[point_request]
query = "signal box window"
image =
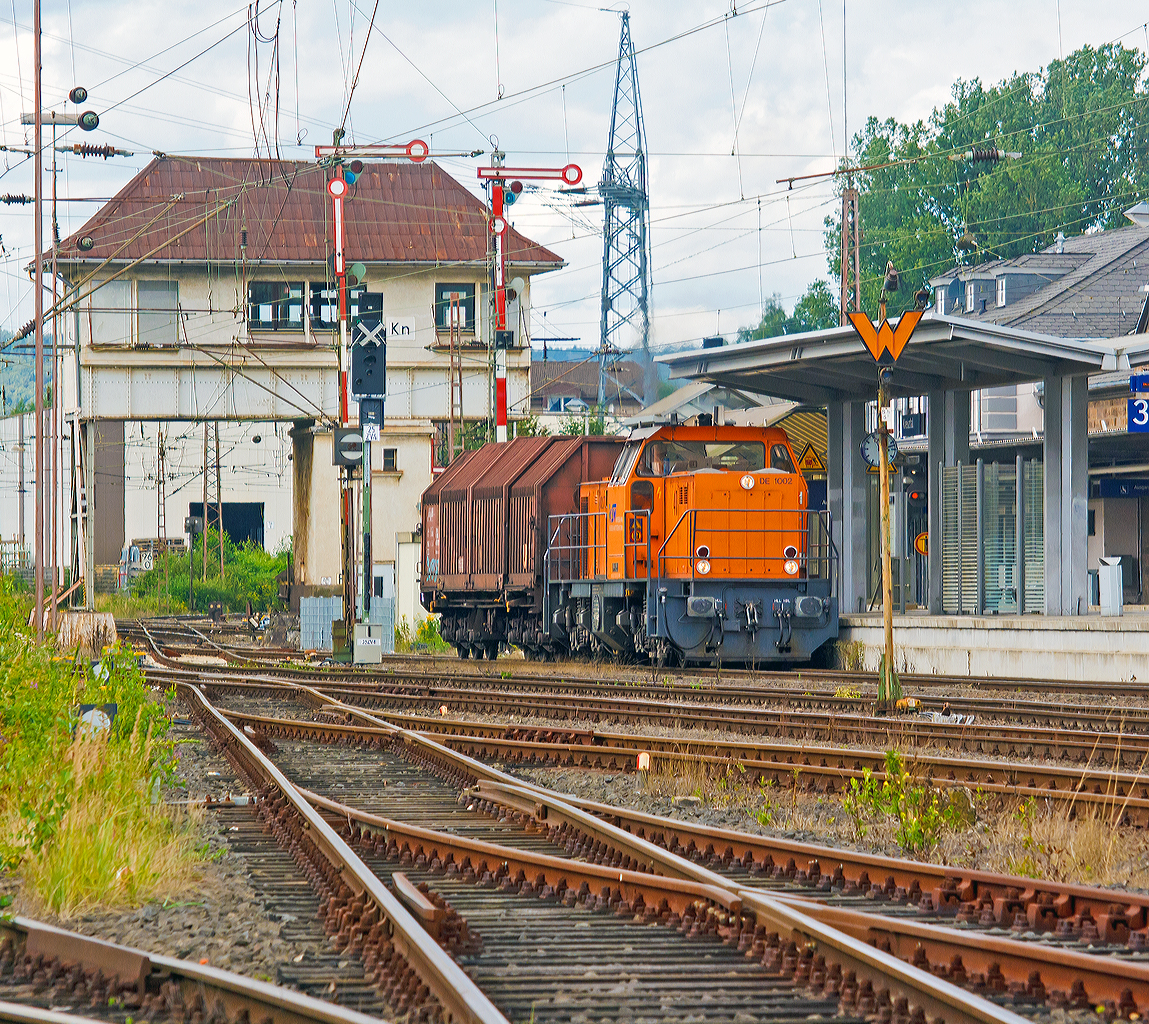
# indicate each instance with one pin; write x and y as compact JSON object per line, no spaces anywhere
{"x":780,"y":460}
{"x":466,"y":293}
{"x":324,"y":307}
{"x":390,"y":462}
{"x":275,"y":306}
{"x":661,"y":458}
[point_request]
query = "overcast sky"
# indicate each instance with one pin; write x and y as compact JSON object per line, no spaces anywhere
{"x":725,"y":234}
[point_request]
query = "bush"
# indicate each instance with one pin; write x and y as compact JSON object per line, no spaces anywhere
{"x":915,"y":808}
{"x":250,"y":574}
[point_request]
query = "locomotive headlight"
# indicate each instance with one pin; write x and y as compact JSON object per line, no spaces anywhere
{"x":790,"y":551}
{"x":703,"y":566}
{"x":791,"y":567}
{"x":747,"y":482}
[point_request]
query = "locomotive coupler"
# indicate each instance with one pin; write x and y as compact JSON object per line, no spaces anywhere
{"x":752,"y":623}
{"x":785,"y":631}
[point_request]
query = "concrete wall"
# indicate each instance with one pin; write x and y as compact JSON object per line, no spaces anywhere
{"x":1033,"y":647}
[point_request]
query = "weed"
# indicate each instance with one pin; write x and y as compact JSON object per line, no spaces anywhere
{"x":848,"y":692}
{"x":919,"y":816}
{"x":423,"y":638}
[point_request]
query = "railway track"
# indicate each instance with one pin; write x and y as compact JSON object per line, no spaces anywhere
{"x":701,"y":946}
{"x":1062,"y":768}
{"x":642,"y":870}
{"x":52,"y":976}
{"x":188,"y":636}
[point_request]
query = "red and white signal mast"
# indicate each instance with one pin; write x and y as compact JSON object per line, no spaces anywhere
{"x":505,"y":184}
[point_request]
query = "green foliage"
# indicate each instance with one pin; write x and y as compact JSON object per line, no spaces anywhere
{"x":815,"y":310}
{"x":249,"y":575}
{"x":920,"y":817}
{"x":529,"y":426}
{"x":1080,"y":127}
{"x":423,"y":639}
{"x":61,"y":789}
{"x":594,"y":424}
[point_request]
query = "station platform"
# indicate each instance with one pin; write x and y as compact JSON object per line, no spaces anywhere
{"x":1077,"y":647}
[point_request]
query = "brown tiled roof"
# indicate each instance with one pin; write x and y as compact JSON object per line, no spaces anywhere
{"x":395,"y":212}
{"x":559,"y":377}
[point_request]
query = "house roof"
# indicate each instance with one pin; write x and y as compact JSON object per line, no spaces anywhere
{"x":563,"y":377}
{"x":1098,"y":293}
{"x":187,"y":208}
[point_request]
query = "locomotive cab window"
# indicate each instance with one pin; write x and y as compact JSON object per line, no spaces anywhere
{"x":661,"y":458}
{"x":780,"y":460}
{"x":642,"y":495}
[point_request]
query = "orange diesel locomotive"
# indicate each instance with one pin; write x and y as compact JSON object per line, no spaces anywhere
{"x":699,"y":547}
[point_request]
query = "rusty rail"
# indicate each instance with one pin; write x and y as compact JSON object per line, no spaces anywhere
{"x":1123,"y":794}
{"x":459,"y":997}
{"x":147,"y":981}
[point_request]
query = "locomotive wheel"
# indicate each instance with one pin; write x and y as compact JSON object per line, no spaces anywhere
{"x":464,"y":652}
{"x":492,"y":651}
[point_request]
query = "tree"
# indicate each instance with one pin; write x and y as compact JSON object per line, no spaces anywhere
{"x":1083,"y":136}
{"x":815,"y":310}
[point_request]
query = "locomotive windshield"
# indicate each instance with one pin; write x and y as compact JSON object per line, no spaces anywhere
{"x":661,"y":458}
{"x":625,"y":462}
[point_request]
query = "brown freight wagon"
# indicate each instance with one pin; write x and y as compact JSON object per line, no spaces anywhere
{"x":485,"y":535}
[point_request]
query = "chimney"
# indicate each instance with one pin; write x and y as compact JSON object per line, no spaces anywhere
{"x":1060,"y":240}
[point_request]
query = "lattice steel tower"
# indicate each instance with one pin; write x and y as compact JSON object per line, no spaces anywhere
{"x":626,"y":229}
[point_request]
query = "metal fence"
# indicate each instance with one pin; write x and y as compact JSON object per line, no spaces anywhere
{"x":993,"y":550}
{"x":315,"y":617}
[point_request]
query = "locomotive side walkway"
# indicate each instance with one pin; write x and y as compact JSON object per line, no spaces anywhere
{"x":1094,"y":648}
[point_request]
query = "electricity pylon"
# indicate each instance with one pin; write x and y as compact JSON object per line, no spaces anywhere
{"x":626,"y":230}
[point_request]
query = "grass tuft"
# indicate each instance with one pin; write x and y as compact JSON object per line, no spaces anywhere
{"x":81,"y":822}
{"x":115,"y":843}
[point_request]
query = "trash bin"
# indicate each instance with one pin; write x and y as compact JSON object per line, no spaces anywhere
{"x":1112,"y":588}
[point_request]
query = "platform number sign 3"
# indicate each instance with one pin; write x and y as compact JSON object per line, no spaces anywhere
{"x":1139,"y":415}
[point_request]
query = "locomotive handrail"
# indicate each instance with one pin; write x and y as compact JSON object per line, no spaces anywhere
{"x":630,"y":517}
{"x":827,"y":551}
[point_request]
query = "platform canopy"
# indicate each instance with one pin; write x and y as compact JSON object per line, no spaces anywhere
{"x":946,"y":353}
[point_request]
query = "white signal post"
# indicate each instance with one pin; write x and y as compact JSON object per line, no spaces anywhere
{"x":498,"y":176}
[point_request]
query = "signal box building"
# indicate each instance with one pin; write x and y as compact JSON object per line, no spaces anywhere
{"x":207,"y":296}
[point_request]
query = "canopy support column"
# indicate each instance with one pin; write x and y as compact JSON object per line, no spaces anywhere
{"x":846,"y":498}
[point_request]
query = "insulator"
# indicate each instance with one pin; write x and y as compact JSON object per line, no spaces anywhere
{"x":986,"y":155}
{"x":12,"y":200}
{"x":89,"y":149}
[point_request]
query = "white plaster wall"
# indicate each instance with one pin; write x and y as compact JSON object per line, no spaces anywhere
{"x":250,"y":471}
{"x":1029,"y":647}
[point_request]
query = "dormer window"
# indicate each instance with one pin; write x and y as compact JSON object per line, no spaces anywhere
{"x":1001,"y":291}
{"x":969,"y":296}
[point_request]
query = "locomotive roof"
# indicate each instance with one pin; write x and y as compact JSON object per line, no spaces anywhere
{"x":682,"y":432}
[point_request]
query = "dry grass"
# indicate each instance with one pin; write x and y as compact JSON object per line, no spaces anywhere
{"x":116,"y":843}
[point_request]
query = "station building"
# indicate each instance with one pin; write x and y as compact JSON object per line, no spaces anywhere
{"x":1016,"y":471}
